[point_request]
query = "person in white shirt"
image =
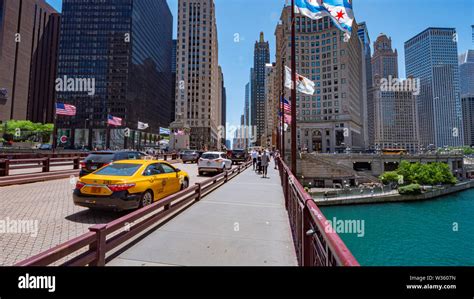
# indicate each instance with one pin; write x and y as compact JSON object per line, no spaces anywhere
{"x":254,"y":158}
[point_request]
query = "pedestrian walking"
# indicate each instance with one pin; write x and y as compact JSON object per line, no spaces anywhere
{"x":254,"y":155}
{"x":265,"y":160}
{"x":276,"y":157}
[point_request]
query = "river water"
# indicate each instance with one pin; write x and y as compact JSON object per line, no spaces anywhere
{"x":437,"y":232}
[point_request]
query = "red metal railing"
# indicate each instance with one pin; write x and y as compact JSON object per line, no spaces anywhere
{"x":316,"y":244}
{"x":103,"y":238}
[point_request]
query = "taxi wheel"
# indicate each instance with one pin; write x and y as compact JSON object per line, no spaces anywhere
{"x":185,"y":184}
{"x":147,"y":199}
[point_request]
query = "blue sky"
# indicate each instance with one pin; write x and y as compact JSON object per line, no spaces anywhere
{"x":399,"y":19}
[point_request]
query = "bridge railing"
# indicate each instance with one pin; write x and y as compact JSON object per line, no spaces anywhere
{"x":91,"y":248}
{"x":6,"y":165}
{"x":315,"y":241}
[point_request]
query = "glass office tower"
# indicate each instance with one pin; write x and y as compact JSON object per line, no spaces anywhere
{"x":123,"y":49}
{"x":432,"y":56}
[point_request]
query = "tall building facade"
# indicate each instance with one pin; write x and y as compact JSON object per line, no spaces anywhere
{"x":261,"y":59}
{"x":468,"y":119}
{"x":247,"y":105}
{"x":173,"y":81}
{"x":396,"y":119}
{"x":363,"y":33}
{"x":197,"y":103}
{"x":29,"y":34}
{"x":271,"y":103}
{"x":125,"y":50}
{"x":385,"y":59}
{"x":432,"y":57}
{"x":332,"y":119}
{"x":223,"y":108}
{"x":466,"y":71}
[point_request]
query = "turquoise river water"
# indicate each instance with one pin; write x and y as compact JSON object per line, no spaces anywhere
{"x":438,"y":232}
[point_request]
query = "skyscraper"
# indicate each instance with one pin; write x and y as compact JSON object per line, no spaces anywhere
{"x":332,"y":119}
{"x":223,"y":108}
{"x":173,"y":81}
{"x":247,"y":105}
{"x":125,"y":47}
{"x":29,"y":31}
{"x":466,"y":71}
{"x":261,"y":58}
{"x":197,"y":102}
{"x":468,"y":119}
{"x":393,"y":114}
{"x":271,"y":104}
{"x":385,"y":59}
{"x":395,"y":117}
{"x":432,"y":56}
{"x":363,"y":33}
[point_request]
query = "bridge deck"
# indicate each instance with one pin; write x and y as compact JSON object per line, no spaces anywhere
{"x":243,"y":223}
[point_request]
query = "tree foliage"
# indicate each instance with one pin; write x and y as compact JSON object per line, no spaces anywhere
{"x":423,"y":174}
{"x":28,"y":130}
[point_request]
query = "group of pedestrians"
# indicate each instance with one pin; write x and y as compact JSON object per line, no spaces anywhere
{"x":261,"y":160}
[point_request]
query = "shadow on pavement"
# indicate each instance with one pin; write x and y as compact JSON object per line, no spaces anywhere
{"x":95,"y":216}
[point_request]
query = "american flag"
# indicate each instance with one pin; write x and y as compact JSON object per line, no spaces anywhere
{"x":286,"y":106}
{"x":114,"y":121}
{"x":65,"y":109}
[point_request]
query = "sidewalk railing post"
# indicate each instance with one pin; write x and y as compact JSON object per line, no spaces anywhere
{"x":46,"y":164}
{"x":307,"y":236}
{"x":99,"y":245}
{"x":76,"y":162}
{"x":199,"y":191}
{"x":6,"y":167}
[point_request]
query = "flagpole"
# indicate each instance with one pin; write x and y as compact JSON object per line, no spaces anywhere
{"x":293,"y":90}
{"x":55,"y":128}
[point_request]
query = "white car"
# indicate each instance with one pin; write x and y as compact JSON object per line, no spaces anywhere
{"x":213,"y":162}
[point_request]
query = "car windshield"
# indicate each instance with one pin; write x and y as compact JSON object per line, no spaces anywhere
{"x":100,"y":158}
{"x":119,"y":169}
{"x":210,"y":156}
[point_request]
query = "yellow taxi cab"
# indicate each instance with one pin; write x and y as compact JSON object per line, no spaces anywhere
{"x":129,"y":184}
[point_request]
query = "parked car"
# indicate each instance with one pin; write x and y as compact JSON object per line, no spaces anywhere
{"x":239,"y":156}
{"x":129,"y":184}
{"x":97,"y":160}
{"x":189,"y":156}
{"x":45,"y":147}
{"x":213,"y":162}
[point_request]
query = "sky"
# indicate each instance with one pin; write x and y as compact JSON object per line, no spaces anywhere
{"x":245,"y":19}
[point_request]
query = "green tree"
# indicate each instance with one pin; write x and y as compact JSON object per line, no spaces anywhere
{"x":390,"y":177}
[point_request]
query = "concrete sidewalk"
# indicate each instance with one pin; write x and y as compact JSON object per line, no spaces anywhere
{"x":242,"y":223}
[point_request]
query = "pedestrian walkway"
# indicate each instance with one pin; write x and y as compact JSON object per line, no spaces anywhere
{"x":242,"y":223}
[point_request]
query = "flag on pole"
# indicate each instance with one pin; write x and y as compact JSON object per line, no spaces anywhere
{"x":340,"y":12}
{"x":312,"y":9}
{"x":142,"y":126}
{"x":65,"y":109}
{"x":114,"y":121}
{"x":286,"y":106}
{"x":303,"y":84}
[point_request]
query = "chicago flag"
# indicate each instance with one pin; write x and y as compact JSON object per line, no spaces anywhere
{"x":340,"y":12}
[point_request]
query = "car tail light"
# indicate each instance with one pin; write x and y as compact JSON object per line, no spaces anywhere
{"x":83,"y":164}
{"x":219,"y":160}
{"x":79,"y":185}
{"x":121,"y":187}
